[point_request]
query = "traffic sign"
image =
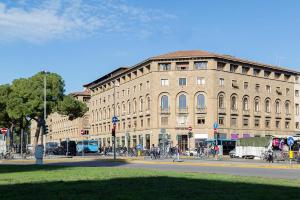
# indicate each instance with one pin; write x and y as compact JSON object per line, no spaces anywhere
{"x":4,"y":130}
{"x":215,"y":130}
{"x":290,"y":141}
{"x":114,"y":119}
{"x":190,"y":129}
{"x":216,"y":125}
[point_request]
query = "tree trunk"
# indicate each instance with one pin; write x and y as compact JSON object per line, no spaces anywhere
{"x":11,"y":135}
{"x":37,"y":133}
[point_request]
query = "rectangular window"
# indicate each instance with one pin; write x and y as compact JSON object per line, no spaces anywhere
{"x":256,"y":122}
{"x":267,"y":123}
{"x":297,"y":93}
{"x":297,"y":108}
{"x":128,"y":92}
{"x":233,"y":68}
{"x":165,"y":66}
{"x":200,"y":65}
{"x":148,"y":122}
{"x":164,"y":82}
{"x":221,"y":81}
{"x":246,"y":85}
{"x":201,"y":121}
{"x":235,"y":84}
{"x":267,"y":74}
{"x":182,"y":66}
{"x":277,"y":124}
{"x":182,"y":81}
{"x":182,"y":120}
{"x":268,"y":88}
{"x":257,"y":87}
{"x":297,"y":125}
{"x":221,"y":121}
{"x":245,"y":122}
{"x":287,"y":91}
{"x":221,"y":65}
{"x":287,"y":124}
{"x":200,"y":81}
{"x":142,"y":123}
{"x":233,"y":122}
{"x":277,"y":75}
{"x":245,"y":70}
{"x":256,"y":72}
{"x":148,"y":84}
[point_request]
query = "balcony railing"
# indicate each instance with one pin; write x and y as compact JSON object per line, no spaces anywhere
{"x":278,"y":115}
{"x":257,"y":113}
{"x":165,"y":110}
{"x":246,"y":112}
{"x":182,"y":110}
{"x":268,"y":114}
{"x":201,"y":110}
{"x":222,"y":110}
{"x":234,"y":111}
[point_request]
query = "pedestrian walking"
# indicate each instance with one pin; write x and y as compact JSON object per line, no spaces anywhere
{"x":176,"y":153}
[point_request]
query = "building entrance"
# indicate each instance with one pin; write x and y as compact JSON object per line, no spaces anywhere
{"x":182,"y":143}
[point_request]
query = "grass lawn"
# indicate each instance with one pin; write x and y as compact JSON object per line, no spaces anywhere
{"x":57,"y":182}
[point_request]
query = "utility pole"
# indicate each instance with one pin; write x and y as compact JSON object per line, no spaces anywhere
{"x":114,"y":123}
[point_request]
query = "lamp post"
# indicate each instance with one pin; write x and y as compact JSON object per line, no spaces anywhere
{"x":114,"y":121}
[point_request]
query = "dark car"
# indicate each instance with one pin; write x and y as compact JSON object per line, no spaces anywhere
{"x":51,"y":148}
{"x":71,"y":148}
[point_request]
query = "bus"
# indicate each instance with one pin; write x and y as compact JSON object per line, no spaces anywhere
{"x":88,"y":146}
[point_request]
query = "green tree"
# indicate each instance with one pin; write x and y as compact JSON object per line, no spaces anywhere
{"x":72,"y":107}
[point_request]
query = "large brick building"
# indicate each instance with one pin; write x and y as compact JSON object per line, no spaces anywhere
{"x":164,"y":95}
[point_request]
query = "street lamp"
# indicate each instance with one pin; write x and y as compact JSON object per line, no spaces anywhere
{"x":114,"y":120}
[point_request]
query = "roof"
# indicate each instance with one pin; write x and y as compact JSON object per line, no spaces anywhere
{"x":185,"y":55}
{"x":83,"y":93}
{"x":109,"y":75}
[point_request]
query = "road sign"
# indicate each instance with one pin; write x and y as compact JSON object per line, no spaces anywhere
{"x":290,"y":141}
{"x":190,"y":129}
{"x":216,"y":125}
{"x":4,"y":130}
{"x":114,"y":119}
{"x":215,"y":130}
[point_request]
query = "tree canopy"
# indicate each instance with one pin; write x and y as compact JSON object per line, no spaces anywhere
{"x":24,"y":99}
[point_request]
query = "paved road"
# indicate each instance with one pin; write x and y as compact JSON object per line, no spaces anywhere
{"x":207,"y":167}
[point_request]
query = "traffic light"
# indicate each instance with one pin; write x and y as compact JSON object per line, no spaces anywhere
{"x":190,"y":134}
{"x":113,"y":132}
{"x":46,"y":129}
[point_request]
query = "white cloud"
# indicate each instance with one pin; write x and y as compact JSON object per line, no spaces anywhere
{"x":44,"y":20}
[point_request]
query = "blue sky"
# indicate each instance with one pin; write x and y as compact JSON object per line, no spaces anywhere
{"x":84,"y":39}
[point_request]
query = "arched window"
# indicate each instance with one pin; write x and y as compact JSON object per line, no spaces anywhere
{"x":104,"y":113}
{"x":233,"y":103}
{"x":118,"y":109}
{"x":182,"y":102}
{"x":200,"y":101}
{"x":277,"y":107}
{"x":141,"y":104}
{"x":108,"y":113}
{"x":287,"y":107}
{"x":267,"y":106}
{"x":100,"y":114}
{"x":123,"y":108}
{"x":164,"y":103}
{"x":221,"y":101}
{"x":245,"y":104}
{"x":97,"y":115}
{"x":134,"y":106}
{"x":256,"y":105}
{"x":148,"y":103}
{"x":129,"y":107}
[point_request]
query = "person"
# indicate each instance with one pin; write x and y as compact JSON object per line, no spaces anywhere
{"x":217,"y":151}
{"x":152,"y":152}
{"x":270,"y":156}
{"x":176,"y":153}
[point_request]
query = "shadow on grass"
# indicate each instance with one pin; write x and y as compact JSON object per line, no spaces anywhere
{"x":153,"y":188}
{"x":9,"y":168}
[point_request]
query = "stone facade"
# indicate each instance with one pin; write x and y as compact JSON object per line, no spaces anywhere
{"x":164,"y":95}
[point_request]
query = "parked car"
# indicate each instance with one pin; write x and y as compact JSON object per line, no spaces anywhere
{"x":51,"y":148}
